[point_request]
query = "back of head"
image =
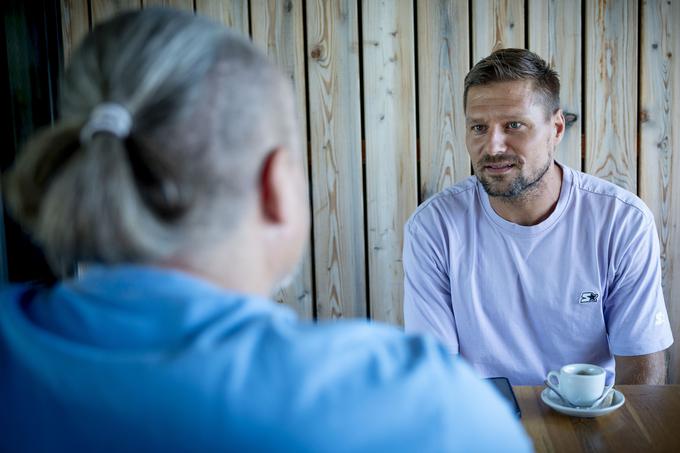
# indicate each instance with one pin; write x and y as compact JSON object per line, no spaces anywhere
{"x":508,"y":65}
{"x":205,"y":108}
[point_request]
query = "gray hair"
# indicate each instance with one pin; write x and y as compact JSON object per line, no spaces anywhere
{"x":206,"y":108}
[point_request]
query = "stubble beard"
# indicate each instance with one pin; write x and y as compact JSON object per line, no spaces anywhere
{"x":518,"y":189}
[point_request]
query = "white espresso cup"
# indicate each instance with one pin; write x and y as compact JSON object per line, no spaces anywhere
{"x":580,"y":383}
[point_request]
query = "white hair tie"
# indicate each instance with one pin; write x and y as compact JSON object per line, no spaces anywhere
{"x":107,"y":117}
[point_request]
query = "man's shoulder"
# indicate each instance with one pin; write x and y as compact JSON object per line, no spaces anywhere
{"x":446,"y":205}
{"x":609,"y":197}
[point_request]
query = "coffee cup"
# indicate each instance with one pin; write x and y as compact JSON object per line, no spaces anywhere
{"x":579,"y":383}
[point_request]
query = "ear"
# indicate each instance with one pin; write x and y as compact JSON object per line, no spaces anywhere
{"x":275,"y":190}
{"x":559,"y":124}
{"x":283,"y":211}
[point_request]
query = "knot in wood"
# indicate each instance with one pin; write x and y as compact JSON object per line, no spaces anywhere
{"x":316,"y":53}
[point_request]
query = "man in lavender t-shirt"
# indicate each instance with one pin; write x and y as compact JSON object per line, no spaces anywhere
{"x":530,"y":265}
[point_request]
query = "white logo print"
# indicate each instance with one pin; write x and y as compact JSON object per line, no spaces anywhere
{"x":589,"y":297}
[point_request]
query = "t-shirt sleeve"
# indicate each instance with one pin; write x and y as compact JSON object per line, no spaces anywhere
{"x":427,"y":293}
{"x":635,"y":311}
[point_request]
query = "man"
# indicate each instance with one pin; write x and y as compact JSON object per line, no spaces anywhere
{"x":175,"y":169}
{"x":530,"y":265}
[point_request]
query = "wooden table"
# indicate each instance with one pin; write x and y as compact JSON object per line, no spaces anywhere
{"x":649,"y":421}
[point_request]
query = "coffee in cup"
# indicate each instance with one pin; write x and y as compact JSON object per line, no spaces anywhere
{"x":580,"y":383}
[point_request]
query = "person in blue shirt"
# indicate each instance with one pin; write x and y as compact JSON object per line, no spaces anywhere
{"x":175,"y":174}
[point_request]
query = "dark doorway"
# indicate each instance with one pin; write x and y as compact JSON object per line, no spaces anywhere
{"x":31,"y":64}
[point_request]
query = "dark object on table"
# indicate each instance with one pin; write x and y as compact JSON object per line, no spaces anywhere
{"x":503,"y":386}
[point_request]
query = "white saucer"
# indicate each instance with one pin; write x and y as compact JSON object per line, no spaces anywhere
{"x":551,"y":399}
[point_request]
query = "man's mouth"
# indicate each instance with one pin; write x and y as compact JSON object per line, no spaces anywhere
{"x":499,"y":168}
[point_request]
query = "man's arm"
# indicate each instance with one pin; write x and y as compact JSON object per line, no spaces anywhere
{"x":427,"y":297}
{"x":635,"y":311}
{"x":641,"y":369}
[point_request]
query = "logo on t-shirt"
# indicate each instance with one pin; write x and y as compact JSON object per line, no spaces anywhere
{"x":589,"y":297}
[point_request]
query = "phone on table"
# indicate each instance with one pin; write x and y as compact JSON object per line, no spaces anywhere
{"x":503,"y":386}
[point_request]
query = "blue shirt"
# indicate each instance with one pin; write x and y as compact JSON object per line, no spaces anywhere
{"x":137,"y":358}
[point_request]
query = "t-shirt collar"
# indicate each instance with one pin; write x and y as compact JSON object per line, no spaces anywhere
{"x":522,"y":230}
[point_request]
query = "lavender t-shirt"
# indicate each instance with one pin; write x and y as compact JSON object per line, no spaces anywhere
{"x":517,"y":301}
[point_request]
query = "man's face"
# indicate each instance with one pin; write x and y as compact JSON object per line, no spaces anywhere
{"x":510,"y":138}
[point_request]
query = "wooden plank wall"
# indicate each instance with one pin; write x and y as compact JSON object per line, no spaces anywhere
{"x":390,"y":134}
{"x":337,"y":166}
{"x":379,"y":91}
{"x":659,"y":145}
{"x":443,"y":61}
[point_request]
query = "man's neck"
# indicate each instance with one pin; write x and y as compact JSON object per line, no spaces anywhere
{"x":534,"y":206}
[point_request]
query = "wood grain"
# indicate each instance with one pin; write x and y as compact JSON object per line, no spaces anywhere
{"x":555,"y":34}
{"x":232,"y":13}
{"x":443,"y":61}
{"x":278,"y":28}
{"x":391,"y":186}
{"x":646,"y":422}
{"x":75,"y":23}
{"x":496,"y":24}
{"x":611,"y":91}
{"x":103,"y":9}
{"x":660,"y":147}
{"x":180,"y":4}
{"x":335,"y":126}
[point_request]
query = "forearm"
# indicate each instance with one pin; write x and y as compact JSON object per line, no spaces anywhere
{"x":644,"y":369}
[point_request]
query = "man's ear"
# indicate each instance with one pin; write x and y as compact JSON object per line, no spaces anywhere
{"x":274,"y":186}
{"x":560,"y":125}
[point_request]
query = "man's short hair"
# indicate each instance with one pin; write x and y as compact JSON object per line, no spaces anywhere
{"x":507,"y":65}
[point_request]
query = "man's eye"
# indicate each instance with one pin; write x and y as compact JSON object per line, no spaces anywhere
{"x":477,"y":128}
{"x":514,"y":125}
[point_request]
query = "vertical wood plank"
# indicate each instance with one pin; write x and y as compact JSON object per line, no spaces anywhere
{"x":104,"y":9}
{"x":555,"y":34}
{"x":496,"y":24}
{"x":232,"y":13}
{"x":180,"y":4}
{"x":611,"y":91}
{"x":443,"y":61}
{"x":391,"y":186}
{"x":278,"y":28}
{"x":75,"y":23}
{"x":660,"y":147}
{"x":337,"y":184}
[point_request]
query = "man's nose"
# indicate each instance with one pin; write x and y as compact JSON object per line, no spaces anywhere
{"x":496,"y":144}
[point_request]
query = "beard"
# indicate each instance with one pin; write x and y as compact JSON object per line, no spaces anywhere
{"x":521,"y":186}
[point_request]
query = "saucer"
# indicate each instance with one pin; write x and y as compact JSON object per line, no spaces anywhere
{"x":551,"y":399}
